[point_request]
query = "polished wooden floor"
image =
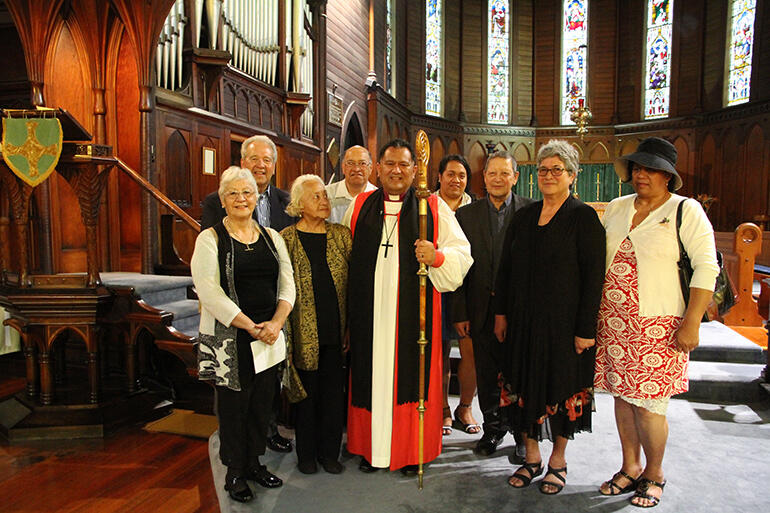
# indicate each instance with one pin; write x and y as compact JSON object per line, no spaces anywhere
{"x":130,"y":471}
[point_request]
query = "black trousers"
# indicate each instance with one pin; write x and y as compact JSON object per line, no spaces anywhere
{"x":243,"y":418}
{"x":319,"y":417}
{"x":487,"y":355}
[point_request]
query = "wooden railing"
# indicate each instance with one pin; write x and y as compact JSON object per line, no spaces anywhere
{"x":158,"y":195}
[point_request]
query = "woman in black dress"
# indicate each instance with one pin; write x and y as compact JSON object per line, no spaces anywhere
{"x":547,"y":298}
{"x":245,"y":284}
{"x":319,"y":253}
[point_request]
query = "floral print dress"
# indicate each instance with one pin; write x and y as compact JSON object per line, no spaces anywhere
{"x":636,"y":356}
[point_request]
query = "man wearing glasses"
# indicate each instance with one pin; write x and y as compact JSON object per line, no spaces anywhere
{"x":258,"y":155}
{"x":356,"y":168}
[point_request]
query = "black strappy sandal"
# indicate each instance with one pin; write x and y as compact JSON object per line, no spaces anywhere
{"x":641,"y":492}
{"x":554,"y":472}
{"x":532,"y":469}
{"x":614,"y":487}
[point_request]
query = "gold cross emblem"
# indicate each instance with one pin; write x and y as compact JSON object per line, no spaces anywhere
{"x":32,"y":149}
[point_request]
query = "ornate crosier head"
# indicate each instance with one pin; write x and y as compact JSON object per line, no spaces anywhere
{"x":422,"y":150}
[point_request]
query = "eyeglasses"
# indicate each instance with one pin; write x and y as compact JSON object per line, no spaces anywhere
{"x":403,"y":165}
{"x":555,"y":171}
{"x":265,"y":160}
{"x":357,"y":163}
{"x":235,"y":194}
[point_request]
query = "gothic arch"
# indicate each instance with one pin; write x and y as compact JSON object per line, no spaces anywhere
{"x":477,"y":157}
{"x":521,"y":153}
{"x":599,"y":153}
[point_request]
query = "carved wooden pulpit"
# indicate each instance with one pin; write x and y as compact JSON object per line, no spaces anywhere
{"x":42,"y":307}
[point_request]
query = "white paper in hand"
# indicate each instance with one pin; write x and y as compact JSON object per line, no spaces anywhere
{"x":265,"y":355}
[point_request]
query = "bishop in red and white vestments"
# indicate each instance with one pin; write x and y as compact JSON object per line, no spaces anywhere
{"x":383,"y":298}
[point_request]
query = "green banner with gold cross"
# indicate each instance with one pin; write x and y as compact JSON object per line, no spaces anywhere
{"x":31,"y":147}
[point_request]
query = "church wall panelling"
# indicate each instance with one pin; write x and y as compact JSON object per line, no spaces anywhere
{"x":476,"y":156}
{"x":760,"y":81}
{"x":347,"y":56}
{"x":602,"y":27}
{"x":547,"y":62}
{"x":452,"y":69}
{"x":125,"y":200}
{"x":472,"y":34}
{"x":66,"y":86}
{"x":688,"y":20}
{"x":415,"y":56}
{"x":521,"y":62}
{"x":379,"y":40}
{"x":630,"y":48}
{"x":402,"y":17}
{"x":757,"y":155}
{"x":437,"y":153}
{"x":714,"y":33}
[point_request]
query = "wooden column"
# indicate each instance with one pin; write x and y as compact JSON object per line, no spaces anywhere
{"x":143,"y":22}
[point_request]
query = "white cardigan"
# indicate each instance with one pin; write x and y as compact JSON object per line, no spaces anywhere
{"x":204,"y":266}
{"x":657,"y":251}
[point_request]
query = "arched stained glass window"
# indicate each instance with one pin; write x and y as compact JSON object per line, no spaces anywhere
{"x":389,"y":46}
{"x":433,"y":57}
{"x":573,"y":56}
{"x":740,"y":48}
{"x":498,"y":56}
{"x":658,"y":58}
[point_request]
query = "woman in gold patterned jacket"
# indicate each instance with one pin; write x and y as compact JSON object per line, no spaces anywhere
{"x":319,"y":253}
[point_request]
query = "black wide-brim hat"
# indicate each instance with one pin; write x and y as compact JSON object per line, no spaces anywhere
{"x":652,"y":153}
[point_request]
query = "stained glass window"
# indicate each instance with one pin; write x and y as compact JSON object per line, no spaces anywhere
{"x":389,"y":46}
{"x":498,"y":41}
{"x":658,"y":57}
{"x":433,"y":57}
{"x":740,"y":48}
{"x":573,"y":56}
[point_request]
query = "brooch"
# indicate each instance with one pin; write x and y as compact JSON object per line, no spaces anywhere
{"x":664,"y":220}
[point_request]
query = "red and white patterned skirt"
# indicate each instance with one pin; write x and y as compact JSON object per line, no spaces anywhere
{"x":636,"y":358}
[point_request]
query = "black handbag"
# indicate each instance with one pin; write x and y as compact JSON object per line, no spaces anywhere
{"x":723,"y":296}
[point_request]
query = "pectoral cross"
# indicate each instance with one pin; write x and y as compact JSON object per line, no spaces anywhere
{"x":386,"y":246}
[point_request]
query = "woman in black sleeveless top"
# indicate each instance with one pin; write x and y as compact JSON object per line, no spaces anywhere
{"x":319,"y":253}
{"x":245,"y":285}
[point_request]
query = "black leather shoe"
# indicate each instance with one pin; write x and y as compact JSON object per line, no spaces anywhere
{"x":238,"y":489}
{"x":365,"y":466}
{"x":487,"y":444}
{"x":307,"y":467}
{"x":331,"y":466}
{"x":264,"y":477}
{"x":278,"y":443}
{"x":409,"y":470}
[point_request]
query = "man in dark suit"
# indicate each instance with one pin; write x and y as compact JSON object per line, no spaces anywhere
{"x":258,"y":155}
{"x":485,"y":223}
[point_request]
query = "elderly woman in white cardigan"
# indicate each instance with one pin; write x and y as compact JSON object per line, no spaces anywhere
{"x":245,"y":284}
{"x":645,"y":329}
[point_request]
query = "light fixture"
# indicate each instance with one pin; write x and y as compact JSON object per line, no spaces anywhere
{"x":581,"y":116}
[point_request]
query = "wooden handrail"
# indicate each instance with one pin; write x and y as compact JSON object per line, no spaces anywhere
{"x":157,"y":194}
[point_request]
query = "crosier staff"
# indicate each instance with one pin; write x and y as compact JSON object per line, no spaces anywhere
{"x":422,"y":148}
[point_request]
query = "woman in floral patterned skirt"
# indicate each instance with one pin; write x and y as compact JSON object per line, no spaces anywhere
{"x":645,"y":330}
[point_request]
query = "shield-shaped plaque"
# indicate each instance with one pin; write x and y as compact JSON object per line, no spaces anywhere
{"x":32,"y":147}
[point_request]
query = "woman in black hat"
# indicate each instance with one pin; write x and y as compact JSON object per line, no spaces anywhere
{"x":645,"y":330}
